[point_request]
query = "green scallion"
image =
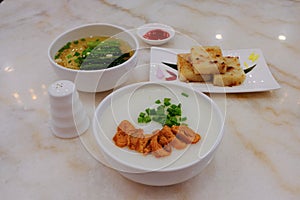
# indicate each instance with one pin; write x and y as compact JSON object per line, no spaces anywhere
{"x":184,"y":94}
{"x":166,"y":114}
{"x":76,"y":54}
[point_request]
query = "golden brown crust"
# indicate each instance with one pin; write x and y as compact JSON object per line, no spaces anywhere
{"x":186,"y":71}
{"x":207,"y":64}
{"x":234,"y":75}
{"x":207,"y":60}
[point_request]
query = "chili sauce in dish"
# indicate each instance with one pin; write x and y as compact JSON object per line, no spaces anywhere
{"x":156,"y":34}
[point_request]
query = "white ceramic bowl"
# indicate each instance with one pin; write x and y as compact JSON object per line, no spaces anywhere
{"x":141,"y":31}
{"x":94,"y":80}
{"x":203,"y":116}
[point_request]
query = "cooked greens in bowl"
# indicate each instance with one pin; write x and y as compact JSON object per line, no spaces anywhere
{"x":93,"y":53}
{"x":94,"y":56}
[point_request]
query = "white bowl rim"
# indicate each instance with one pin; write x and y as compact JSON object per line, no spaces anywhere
{"x":99,"y":70}
{"x":165,"y":27}
{"x":212,"y":149}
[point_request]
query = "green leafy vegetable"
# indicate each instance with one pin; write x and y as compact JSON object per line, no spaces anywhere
{"x":166,"y":113}
{"x":93,"y":44}
{"x":96,"y":54}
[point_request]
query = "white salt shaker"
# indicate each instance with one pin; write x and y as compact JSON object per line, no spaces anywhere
{"x":68,"y":117}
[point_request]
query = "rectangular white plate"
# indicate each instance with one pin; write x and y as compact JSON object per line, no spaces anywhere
{"x":257,"y":80}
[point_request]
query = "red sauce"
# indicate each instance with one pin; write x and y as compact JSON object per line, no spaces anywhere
{"x":156,"y":34}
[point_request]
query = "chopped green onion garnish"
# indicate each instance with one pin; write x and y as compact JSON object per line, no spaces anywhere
{"x":183,"y":119}
{"x":166,"y":114}
{"x":148,"y":111}
{"x":152,"y":112}
{"x":167,"y":101}
{"x":77,"y":60}
{"x":184,"y":94}
{"x":76,"y":54}
{"x":57,"y":56}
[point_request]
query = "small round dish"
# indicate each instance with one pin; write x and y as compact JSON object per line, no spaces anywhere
{"x":155,"y":33}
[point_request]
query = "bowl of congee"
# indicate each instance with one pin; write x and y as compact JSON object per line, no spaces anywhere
{"x":96,"y":57}
{"x":158,"y":133}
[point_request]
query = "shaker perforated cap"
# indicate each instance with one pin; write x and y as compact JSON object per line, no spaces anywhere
{"x":62,"y":88}
{"x":68,"y":117}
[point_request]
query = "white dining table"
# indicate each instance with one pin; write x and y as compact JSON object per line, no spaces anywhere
{"x":259,"y":155}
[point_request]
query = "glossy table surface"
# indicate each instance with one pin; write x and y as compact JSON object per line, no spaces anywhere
{"x":259,"y":156}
